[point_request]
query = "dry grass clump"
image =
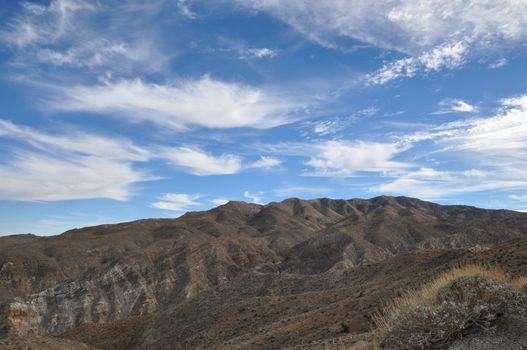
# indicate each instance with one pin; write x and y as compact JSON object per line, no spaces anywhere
{"x":448,"y":307}
{"x":520,"y":284}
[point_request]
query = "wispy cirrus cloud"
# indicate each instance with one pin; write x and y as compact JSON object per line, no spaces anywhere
{"x":184,"y":7}
{"x":500,"y":135}
{"x":178,"y":202}
{"x":344,"y":158}
{"x":39,"y":24}
{"x":455,"y":105}
{"x":199,"y":162}
{"x":482,"y":154}
{"x":68,"y":34}
{"x":429,"y":183}
{"x":447,"y":56}
{"x":521,"y":197}
{"x":39,"y":177}
{"x":196,"y":161}
{"x":265,"y":162}
{"x":255,"y":52}
{"x":204,"y":102}
{"x":501,"y":62}
{"x":79,"y":165}
{"x":401,"y":25}
{"x":76,"y":142}
{"x":492,"y":150}
{"x":434,"y":35}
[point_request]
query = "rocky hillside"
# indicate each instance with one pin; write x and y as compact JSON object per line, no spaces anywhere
{"x":287,"y":311}
{"x":106,"y":273}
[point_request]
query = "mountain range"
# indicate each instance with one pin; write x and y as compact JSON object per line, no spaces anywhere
{"x":293,"y":274}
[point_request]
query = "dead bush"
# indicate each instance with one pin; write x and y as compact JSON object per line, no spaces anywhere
{"x":448,"y":308}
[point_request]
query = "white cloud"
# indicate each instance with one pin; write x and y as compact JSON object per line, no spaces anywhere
{"x":76,"y":142}
{"x":442,"y":57}
{"x":342,"y":158}
{"x":491,"y":152}
{"x":34,"y":177}
{"x":522,"y":197}
{"x":326,"y":127}
{"x":258,"y":53}
{"x":265,"y":162}
{"x":205,"y":102}
{"x":78,"y":166}
{"x":455,"y":105}
{"x":500,"y":136}
{"x":428,"y":183}
{"x":177,"y":201}
{"x":435,"y":34}
{"x":501,"y":62}
{"x":45,"y":24}
{"x":494,"y":149}
{"x":337,"y":125}
{"x":198,"y":162}
{"x":409,"y":26}
{"x":255,"y":198}
{"x":185,"y":10}
{"x":96,"y":53}
{"x":68,"y":33}
{"x":219,"y":201}
{"x":94,"y":158}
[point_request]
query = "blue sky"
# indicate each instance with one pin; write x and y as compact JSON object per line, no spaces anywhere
{"x":118,"y":110}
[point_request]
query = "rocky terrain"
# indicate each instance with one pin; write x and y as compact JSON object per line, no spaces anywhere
{"x":292,"y":274}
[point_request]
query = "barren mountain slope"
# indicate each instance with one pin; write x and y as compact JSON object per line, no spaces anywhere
{"x":272,"y":311}
{"x":109,"y":272}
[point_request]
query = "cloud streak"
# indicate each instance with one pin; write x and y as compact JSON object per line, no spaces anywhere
{"x":66,"y":34}
{"x":406,"y":26}
{"x":79,"y":165}
{"x":434,"y":35}
{"x":178,"y":202}
{"x":203,"y":102}
{"x":493,"y":151}
{"x":344,"y":159}
{"x":198,"y":162}
{"x":455,"y":105}
{"x":442,"y":57}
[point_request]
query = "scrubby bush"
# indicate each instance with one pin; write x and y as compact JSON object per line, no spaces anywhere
{"x":520,"y":284}
{"x":448,"y":308}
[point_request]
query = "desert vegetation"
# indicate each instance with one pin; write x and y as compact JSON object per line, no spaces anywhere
{"x":458,"y":302}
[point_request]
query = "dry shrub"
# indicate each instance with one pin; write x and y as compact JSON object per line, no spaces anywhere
{"x":448,"y":308}
{"x":520,"y":284}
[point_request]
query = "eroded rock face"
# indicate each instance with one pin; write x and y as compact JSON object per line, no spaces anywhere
{"x":19,"y":319}
{"x":110,"y":272}
{"x":116,"y":294}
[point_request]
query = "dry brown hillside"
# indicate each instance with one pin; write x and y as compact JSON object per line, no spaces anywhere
{"x":242,"y":275}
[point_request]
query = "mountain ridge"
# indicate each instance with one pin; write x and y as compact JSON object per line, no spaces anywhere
{"x":238,"y":203}
{"x":107,"y":273}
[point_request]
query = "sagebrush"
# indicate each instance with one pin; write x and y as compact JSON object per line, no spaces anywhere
{"x":448,"y":307}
